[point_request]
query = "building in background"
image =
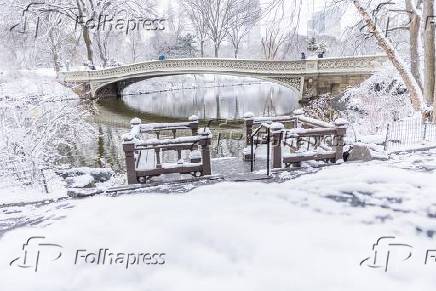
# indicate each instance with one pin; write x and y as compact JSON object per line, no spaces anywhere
{"x":326,"y":22}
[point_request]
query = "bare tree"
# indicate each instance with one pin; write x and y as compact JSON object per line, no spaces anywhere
{"x":86,"y":14}
{"x":385,"y":44}
{"x":197,"y":18}
{"x":216,"y":16}
{"x":414,"y":32}
{"x":246,"y":17}
{"x":275,"y":35}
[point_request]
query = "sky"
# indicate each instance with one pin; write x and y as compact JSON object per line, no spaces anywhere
{"x":307,"y":10}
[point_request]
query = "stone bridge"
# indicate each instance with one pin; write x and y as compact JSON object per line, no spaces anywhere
{"x":310,"y":77}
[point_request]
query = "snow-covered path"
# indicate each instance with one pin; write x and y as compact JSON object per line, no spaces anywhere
{"x":310,"y":233}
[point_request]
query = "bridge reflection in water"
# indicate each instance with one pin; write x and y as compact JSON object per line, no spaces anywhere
{"x":220,"y":98}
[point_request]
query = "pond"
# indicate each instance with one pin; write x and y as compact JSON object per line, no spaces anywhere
{"x":172,"y":99}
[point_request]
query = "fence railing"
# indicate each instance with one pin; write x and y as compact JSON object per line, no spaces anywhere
{"x":305,"y":139}
{"x":23,"y":173}
{"x":198,"y":145}
{"x":409,"y":132}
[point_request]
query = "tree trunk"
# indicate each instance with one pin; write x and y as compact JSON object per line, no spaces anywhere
{"x":217,"y":48}
{"x":56,"y":61}
{"x":429,"y":52}
{"x":202,"y":48}
{"x":408,"y":79}
{"x":85,"y":34}
{"x":415,"y":21}
{"x":236,"y":52}
{"x":88,"y":44}
{"x":101,"y":49}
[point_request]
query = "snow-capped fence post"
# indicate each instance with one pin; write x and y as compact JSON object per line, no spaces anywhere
{"x":277,"y":144}
{"x":135,"y":125}
{"x":193,"y":124}
{"x":205,"y":155}
{"x":129,"y":151}
{"x":425,"y":130}
{"x":388,"y":132}
{"x":341,"y":131}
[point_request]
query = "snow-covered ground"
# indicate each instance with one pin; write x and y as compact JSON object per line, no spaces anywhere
{"x":313,"y":231}
{"x":310,"y":233}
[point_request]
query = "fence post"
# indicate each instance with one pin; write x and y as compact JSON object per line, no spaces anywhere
{"x":205,"y":155}
{"x":135,"y":127}
{"x":193,"y":124}
{"x":277,"y":144}
{"x":297,"y":113}
{"x":268,"y":150}
{"x":341,"y":130}
{"x":387,"y":137}
{"x":129,"y":151}
{"x":425,"y":130}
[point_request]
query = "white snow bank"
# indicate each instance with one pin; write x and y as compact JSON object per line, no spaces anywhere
{"x":246,"y":236}
{"x":40,"y":84}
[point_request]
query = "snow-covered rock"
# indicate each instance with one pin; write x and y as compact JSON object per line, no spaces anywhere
{"x":99,"y":174}
{"x":82,"y":193}
{"x":81,"y":181}
{"x":359,"y":152}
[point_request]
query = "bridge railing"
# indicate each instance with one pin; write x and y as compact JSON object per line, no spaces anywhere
{"x":297,"y":67}
{"x":134,"y":145}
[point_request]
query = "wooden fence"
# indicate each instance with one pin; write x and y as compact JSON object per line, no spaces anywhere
{"x":198,"y":144}
{"x":295,"y":139}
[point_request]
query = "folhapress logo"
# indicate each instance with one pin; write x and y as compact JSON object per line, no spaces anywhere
{"x":35,"y":252}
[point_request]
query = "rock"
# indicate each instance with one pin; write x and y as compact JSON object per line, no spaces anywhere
{"x":81,"y":193}
{"x":359,"y":152}
{"x":99,"y":174}
{"x":82,"y":181}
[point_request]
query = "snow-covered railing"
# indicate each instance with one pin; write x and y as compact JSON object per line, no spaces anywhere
{"x":156,"y":128}
{"x":293,"y":74}
{"x":307,"y":138}
{"x":305,"y":144}
{"x":297,"y":119}
{"x":197,"y":144}
{"x":309,"y":66}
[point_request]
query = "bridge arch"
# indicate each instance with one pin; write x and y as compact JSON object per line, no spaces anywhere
{"x":115,"y":87}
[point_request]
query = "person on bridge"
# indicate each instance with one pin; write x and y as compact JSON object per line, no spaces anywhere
{"x":161,"y":57}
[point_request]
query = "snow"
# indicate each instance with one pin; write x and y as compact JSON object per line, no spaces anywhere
{"x":310,"y":233}
{"x":81,"y":181}
{"x":179,"y":164}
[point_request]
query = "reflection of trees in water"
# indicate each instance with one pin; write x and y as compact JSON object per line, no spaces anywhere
{"x":269,"y":108}
{"x":218,"y":110}
{"x":236,"y":116}
{"x":217,"y":102}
